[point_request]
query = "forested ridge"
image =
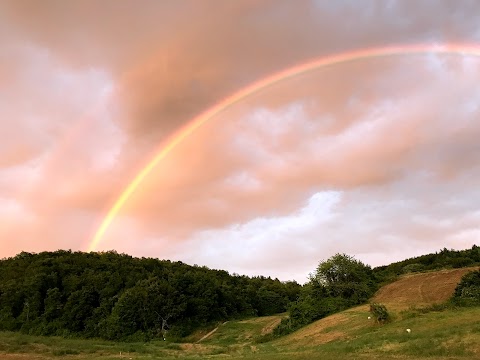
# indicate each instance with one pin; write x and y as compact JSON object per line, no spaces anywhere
{"x":115,"y":296}
{"x":119,"y":297}
{"x":443,"y":259}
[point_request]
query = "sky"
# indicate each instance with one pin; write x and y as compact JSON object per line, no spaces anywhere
{"x":375,"y":157}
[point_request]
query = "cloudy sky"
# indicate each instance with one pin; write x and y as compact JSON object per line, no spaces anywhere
{"x":377,"y":158}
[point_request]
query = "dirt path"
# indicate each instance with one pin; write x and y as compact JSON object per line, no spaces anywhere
{"x":272,"y":325}
{"x":209,"y":334}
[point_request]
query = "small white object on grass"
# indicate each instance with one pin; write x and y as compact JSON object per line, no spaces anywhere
{"x":408,"y":331}
{"x":369,"y":317}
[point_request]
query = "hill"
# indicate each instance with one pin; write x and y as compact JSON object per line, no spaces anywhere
{"x":115,"y":296}
{"x":421,"y":289}
{"x":453,"y":333}
{"x":409,"y":292}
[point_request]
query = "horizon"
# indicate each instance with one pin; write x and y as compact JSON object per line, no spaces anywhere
{"x":307,"y":277}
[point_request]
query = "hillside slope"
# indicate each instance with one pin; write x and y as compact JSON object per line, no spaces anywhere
{"x":242,"y":331}
{"x":452,"y":334}
{"x":413,"y":290}
{"x":420,"y":289}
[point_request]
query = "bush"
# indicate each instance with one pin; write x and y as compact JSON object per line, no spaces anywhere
{"x":379,"y":313}
{"x":467,"y":291}
{"x":462,"y":262}
{"x":416,"y":267}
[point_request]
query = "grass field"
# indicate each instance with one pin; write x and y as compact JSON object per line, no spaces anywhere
{"x":448,"y":334}
{"x":421,"y":289}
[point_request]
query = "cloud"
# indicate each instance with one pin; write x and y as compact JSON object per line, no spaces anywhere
{"x":90,"y":91}
{"x":281,"y":237}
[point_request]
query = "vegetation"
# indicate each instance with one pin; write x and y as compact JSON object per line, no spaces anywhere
{"x":115,"y":296}
{"x":337,"y":284}
{"x":467,"y":291}
{"x":444,"y":259}
{"x":379,"y":312}
{"x":451,"y":334}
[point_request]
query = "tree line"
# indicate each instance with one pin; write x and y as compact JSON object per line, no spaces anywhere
{"x":115,"y":296}
{"x":442,"y":259}
{"x":118,"y":297}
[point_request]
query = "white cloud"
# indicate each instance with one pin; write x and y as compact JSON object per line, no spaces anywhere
{"x":263,"y":243}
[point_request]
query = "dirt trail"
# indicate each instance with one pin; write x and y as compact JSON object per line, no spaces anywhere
{"x":209,"y":334}
{"x":268,"y":328}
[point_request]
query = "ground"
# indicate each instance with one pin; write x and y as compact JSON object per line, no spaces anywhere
{"x":447,"y":334}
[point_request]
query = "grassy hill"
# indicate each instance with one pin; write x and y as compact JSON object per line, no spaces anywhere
{"x":244,"y":331}
{"x":421,"y":289}
{"x":442,"y":332}
{"x":447,"y":334}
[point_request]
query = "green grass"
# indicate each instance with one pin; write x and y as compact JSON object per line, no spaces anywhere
{"x":449,"y":334}
{"x":452,"y":333}
{"x":233,"y":333}
{"x":59,"y":348}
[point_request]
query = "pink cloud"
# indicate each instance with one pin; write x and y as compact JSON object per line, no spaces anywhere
{"x":89,"y":91}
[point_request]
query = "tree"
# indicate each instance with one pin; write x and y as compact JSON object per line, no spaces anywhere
{"x":344,"y":276}
{"x":52,"y":312}
{"x":270,"y":302}
{"x":78,"y":308}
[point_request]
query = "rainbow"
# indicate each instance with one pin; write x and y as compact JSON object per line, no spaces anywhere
{"x":199,"y":120}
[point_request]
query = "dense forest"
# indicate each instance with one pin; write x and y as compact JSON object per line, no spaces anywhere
{"x":115,"y":296}
{"x":119,"y":297}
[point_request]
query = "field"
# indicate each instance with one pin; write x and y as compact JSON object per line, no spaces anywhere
{"x":436,"y":333}
{"x":421,"y":289}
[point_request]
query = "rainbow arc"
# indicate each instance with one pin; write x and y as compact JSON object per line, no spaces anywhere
{"x":471,"y":50}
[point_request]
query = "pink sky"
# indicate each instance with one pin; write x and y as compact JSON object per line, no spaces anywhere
{"x":377,"y":158}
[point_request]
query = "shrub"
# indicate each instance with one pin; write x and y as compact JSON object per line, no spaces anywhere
{"x":380,"y":313}
{"x":416,"y":267}
{"x":462,"y":262}
{"x":467,"y":291}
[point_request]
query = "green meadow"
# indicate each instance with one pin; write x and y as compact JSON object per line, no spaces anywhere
{"x":437,"y":332}
{"x":447,"y":334}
